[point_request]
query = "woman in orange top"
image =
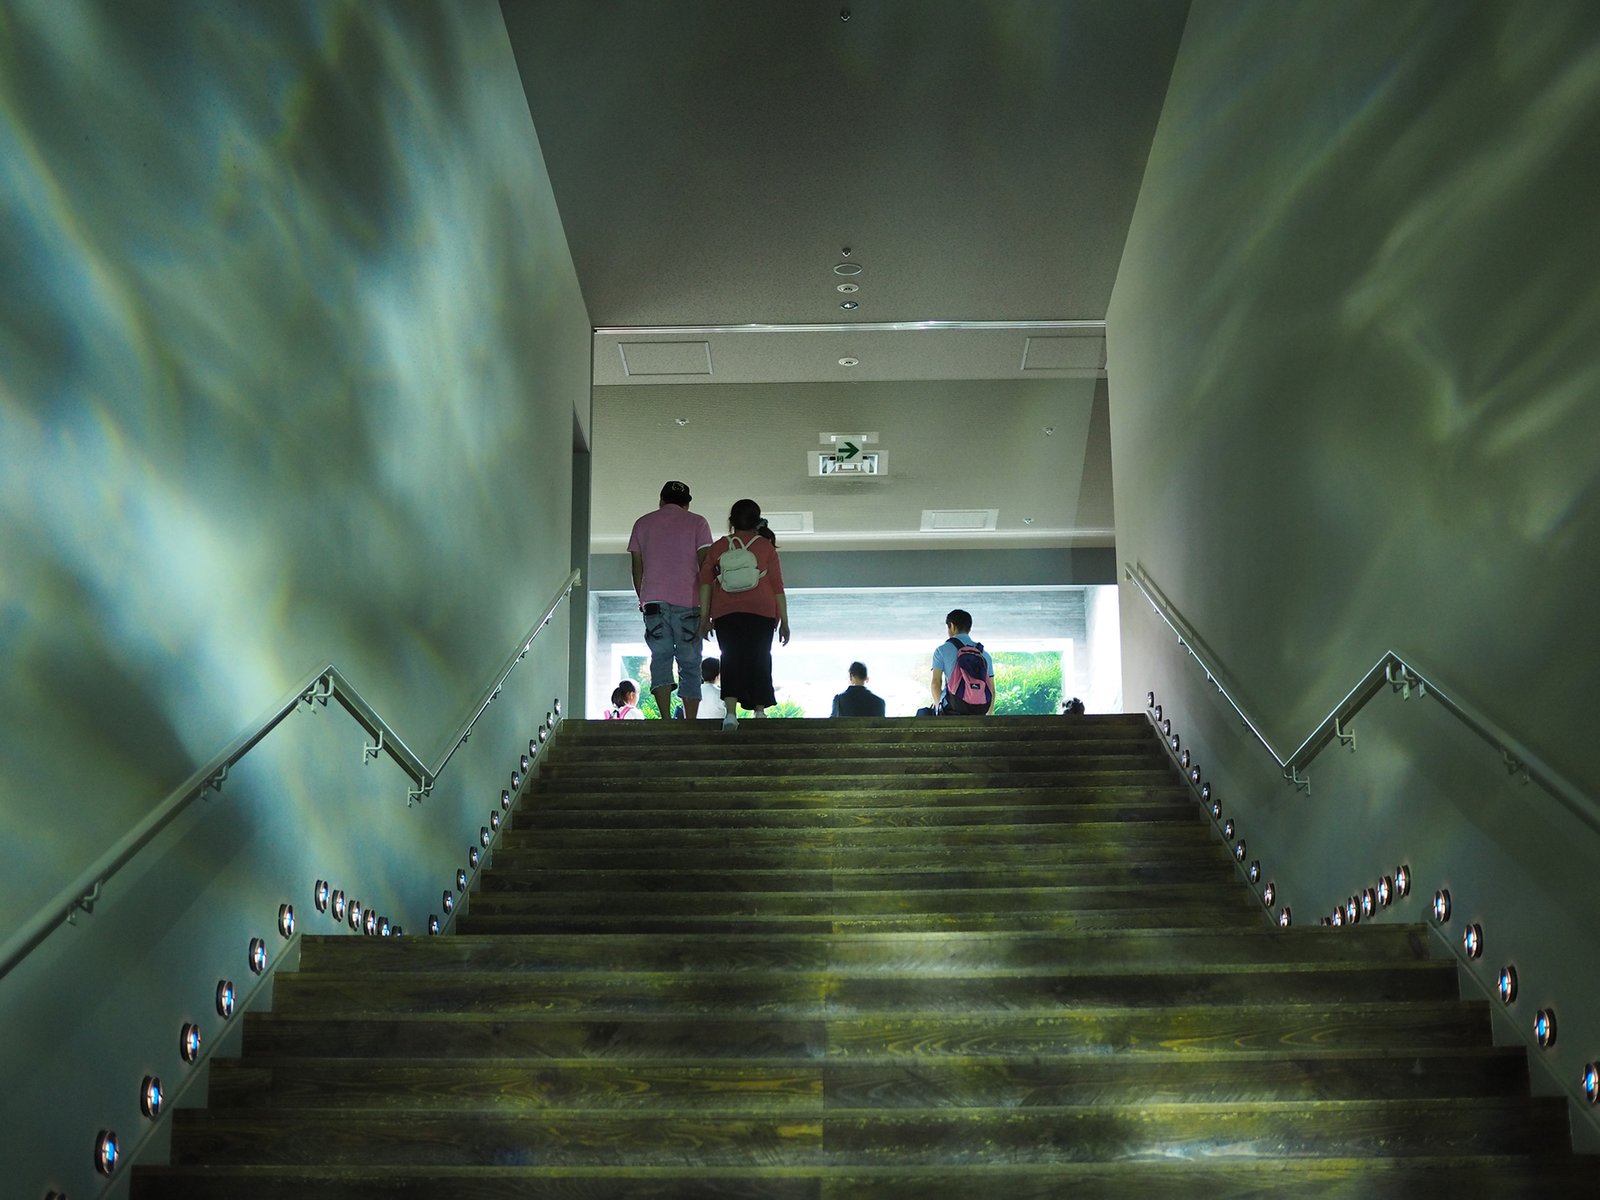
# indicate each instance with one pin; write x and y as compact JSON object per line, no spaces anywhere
{"x":745,"y":620}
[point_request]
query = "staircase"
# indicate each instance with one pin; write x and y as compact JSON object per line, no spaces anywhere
{"x":883,"y":959}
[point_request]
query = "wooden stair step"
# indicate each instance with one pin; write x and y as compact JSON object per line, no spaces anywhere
{"x":1054,"y":898}
{"x":544,"y":854}
{"x":1042,"y":1033}
{"x":1462,"y":1177}
{"x":1211,"y":869}
{"x":777,"y":1086}
{"x":895,"y":951}
{"x":1243,"y":917}
{"x":820,"y":813}
{"x":954,"y":829}
{"x":755,"y":779}
{"x":842,"y":1136}
{"x":846,"y":802}
{"x":830,"y":993}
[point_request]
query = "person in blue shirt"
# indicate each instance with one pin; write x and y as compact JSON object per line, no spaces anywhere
{"x":958,"y":624}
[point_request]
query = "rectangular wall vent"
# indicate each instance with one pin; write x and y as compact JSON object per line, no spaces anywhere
{"x":959,"y":520}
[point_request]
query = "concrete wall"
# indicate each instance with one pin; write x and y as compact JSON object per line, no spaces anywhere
{"x":1353,"y":357}
{"x":291,"y":351}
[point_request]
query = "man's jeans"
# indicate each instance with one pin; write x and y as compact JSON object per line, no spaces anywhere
{"x":669,"y":632}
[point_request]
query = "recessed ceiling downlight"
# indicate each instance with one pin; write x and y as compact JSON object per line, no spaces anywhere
{"x":849,"y":362}
{"x":847,"y":269}
{"x":847,"y":288}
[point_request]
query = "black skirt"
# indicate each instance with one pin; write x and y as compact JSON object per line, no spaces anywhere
{"x":746,"y":643}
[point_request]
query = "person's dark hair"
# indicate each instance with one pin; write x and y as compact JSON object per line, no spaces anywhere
{"x":673,"y":492}
{"x":745,"y":517}
{"x":710,"y":668}
{"x":858,"y":670}
{"x":960,"y":618}
{"x":620,"y":693}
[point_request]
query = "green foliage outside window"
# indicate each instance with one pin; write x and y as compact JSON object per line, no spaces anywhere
{"x":1027,"y":682}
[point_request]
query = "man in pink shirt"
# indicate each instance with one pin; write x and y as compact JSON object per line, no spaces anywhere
{"x":667,"y":547}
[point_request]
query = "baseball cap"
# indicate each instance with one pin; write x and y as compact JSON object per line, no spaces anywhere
{"x":673,"y":492}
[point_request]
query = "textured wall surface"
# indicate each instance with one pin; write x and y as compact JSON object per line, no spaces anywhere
{"x":290,"y":352}
{"x":1353,"y":356}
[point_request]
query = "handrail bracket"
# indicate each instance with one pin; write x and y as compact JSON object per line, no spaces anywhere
{"x":1301,"y":781}
{"x":371,"y":750}
{"x":1344,"y":733}
{"x":319,"y":692}
{"x":1403,"y":679}
{"x":84,"y":903}
{"x":1515,"y":766}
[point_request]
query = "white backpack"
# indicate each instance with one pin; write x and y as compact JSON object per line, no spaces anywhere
{"x":737,"y":568}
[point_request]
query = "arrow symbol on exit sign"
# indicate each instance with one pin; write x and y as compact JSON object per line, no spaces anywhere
{"x":848,"y":450}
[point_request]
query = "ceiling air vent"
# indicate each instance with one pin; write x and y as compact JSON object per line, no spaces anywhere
{"x":959,"y":520}
{"x":665,"y":358}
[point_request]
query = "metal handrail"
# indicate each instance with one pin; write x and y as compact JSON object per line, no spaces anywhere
{"x":1400,"y":674}
{"x":322,"y":685}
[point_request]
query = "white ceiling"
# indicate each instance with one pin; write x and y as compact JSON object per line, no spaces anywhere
{"x":715,"y":161}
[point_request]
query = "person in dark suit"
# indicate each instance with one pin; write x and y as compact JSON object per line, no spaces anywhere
{"x":855,"y":700}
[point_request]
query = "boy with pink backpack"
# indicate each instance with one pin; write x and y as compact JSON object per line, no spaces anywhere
{"x":963,"y":672}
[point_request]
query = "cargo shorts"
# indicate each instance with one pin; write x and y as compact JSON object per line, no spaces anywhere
{"x":669,"y":632}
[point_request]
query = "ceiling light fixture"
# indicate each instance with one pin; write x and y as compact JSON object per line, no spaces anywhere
{"x":682,"y":421}
{"x":847,"y":288}
{"x":849,"y":362}
{"x":847,"y":268}
{"x":848,"y":305}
